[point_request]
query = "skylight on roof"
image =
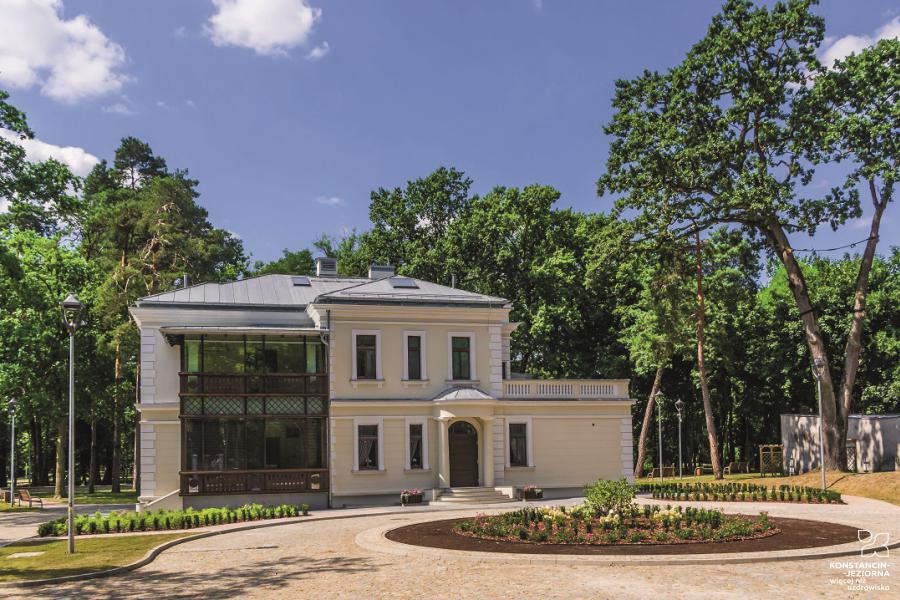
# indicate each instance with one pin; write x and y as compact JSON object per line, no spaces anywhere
{"x":403,"y":282}
{"x":301,"y":280}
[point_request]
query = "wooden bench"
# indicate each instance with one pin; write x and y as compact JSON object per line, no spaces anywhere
{"x":666,"y":472}
{"x":737,"y":467}
{"x":25,"y":496}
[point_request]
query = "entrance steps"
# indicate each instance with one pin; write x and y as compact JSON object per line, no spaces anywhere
{"x":474,"y":495}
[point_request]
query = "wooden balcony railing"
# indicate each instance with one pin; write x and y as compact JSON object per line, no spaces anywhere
{"x":248,"y":384}
{"x":198,"y":483}
{"x":565,"y":389}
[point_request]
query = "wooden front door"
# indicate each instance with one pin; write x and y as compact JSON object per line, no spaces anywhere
{"x":463,"y":455}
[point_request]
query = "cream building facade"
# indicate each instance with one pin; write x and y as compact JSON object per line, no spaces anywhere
{"x":341,"y":391}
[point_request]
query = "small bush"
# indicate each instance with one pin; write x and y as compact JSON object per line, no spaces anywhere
{"x":610,"y":496}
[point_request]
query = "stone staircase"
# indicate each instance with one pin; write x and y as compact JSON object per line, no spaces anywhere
{"x":474,"y":495}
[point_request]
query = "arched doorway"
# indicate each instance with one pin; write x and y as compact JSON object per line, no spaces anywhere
{"x":463,"y":455}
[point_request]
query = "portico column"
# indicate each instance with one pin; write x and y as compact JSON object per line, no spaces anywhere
{"x":488,"y":451}
{"x":443,"y":424}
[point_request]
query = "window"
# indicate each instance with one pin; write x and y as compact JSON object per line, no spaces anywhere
{"x":365,"y":357}
{"x":367,"y":440}
{"x":461,"y":357}
{"x":518,"y":444}
{"x":236,"y":444}
{"x":415,"y":446}
{"x":366,"y":354}
{"x":414,"y":357}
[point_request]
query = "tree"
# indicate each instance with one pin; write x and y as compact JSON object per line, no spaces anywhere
{"x":857,"y":105}
{"x":299,"y":262}
{"x":716,"y":140}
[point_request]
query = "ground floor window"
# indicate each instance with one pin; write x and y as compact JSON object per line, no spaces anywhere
{"x":518,"y":444}
{"x":223,"y":444}
{"x":367,"y":445}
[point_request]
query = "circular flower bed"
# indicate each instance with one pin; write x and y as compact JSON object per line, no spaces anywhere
{"x":647,"y":525}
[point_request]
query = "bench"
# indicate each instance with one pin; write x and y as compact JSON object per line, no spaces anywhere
{"x":666,"y":472}
{"x":737,"y":467}
{"x":25,"y":496}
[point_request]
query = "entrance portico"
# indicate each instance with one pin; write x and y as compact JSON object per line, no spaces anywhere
{"x":465,"y":438}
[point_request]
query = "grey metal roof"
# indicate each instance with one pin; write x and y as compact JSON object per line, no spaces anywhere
{"x":279,"y":291}
{"x":461,"y":394}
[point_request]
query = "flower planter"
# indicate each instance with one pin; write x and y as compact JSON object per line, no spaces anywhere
{"x":410,"y":499}
{"x":531,"y":494}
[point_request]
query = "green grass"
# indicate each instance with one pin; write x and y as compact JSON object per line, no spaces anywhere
{"x":93,"y":554}
{"x":101,"y":495}
{"x":6,"y":508}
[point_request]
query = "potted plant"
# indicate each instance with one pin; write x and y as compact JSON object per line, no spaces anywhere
{"x":531,"y":492}
{"x":411,"y":497}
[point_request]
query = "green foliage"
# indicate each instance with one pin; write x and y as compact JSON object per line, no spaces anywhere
{"x":300,"y":262}
{"x":607,"y":496}
{"x":739,"y":492}
{"x":161,"y":520}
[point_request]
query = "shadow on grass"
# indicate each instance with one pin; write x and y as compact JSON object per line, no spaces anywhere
{"x":267,"y":576}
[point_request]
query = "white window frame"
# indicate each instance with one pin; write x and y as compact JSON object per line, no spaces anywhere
{"x":377,"y":334}
{"x":529,"y":440}
{"x":423,"y":355}
{"x":423,"y":421}
{"x":473,"y":375}
{"x":357,"y":422}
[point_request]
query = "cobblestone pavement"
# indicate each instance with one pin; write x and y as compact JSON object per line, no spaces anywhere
{"x":321,"y":560}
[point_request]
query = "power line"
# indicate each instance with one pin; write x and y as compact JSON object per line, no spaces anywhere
{"x":850,"y":245}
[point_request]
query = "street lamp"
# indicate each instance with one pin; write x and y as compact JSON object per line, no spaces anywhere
{"x":819,"y":371}
{"x":71,"y":308}
{"x":12,"y":451}
{"x":659,"y":401}
{"x":679,"y":406}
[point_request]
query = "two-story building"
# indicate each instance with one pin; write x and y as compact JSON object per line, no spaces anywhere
{"x":340,"y":391}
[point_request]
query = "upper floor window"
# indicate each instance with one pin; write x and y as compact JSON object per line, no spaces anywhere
{"x":460,"y":357}
{"x":253,"y":354}
{"x":414,"y":357}
{"x":366,"y":356}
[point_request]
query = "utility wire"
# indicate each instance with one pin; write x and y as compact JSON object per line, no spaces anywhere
{"x":850,"y":245}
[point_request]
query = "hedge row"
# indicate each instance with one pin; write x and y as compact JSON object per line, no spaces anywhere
{"x":161,"y":520}
{"x":737,"y":492}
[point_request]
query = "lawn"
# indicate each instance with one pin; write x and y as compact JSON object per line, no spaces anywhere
{"x":6,"y":508}
{"x":879,"y":486}
{"x":101,"y":495}
{"x":92,"y":554}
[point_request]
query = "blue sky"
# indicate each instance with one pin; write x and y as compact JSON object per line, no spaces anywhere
{"x":290,"y":113}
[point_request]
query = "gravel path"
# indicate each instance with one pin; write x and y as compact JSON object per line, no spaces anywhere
{"x":321,"y":560}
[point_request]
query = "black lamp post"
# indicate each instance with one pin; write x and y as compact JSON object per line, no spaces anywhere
{"x":71,"y":308}
{"x":12,"y":451}
{"x":659,"y":401}
{"x":679,"y":406}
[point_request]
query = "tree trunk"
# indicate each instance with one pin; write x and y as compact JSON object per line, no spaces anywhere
{"x":35,"y":456}
{"x":853,"y":349}
{"x":116,"y":442}
{"x":776,"y":235}
{"x":648,"y":422}
{"x":701,"y":366}
{"x":61,"y":431}
{"x":92,"y":474}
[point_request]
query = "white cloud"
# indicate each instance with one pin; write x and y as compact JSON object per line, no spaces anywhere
{"x":119,"y":108}
{"x":69,"y":59}
{"x":850,"y":44}
{"x":190,"y":103}
{"x":329,"y":200}
{"x":318,"y":52}
{"x":266,"y":26}
{"x":79,"y":160}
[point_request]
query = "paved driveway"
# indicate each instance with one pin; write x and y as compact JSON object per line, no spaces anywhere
{"x":322,"y":560}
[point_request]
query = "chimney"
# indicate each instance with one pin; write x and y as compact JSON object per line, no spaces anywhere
{"x":326,"y":267}
{"x":381,"y":271}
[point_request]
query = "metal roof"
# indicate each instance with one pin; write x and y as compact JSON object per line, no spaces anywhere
{"x":279,"y":291}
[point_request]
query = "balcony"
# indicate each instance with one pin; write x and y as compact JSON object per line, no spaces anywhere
{"x":565,"y":389}
{"x":249,"y":384}
{"x":199,"y":483}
